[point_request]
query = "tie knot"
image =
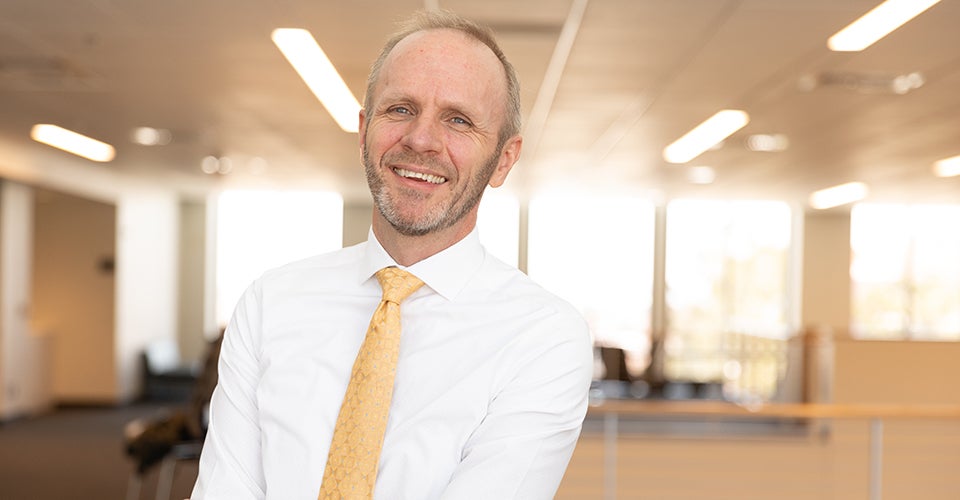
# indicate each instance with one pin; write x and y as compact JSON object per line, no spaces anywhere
{"x":397,"y":284}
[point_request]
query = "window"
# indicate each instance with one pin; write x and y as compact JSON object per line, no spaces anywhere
{"x":597,"y":253}
{"x":905,"y":271}
{"x":727,"y":294}
{"x":259,"y":230}
{"x":498,"y":223}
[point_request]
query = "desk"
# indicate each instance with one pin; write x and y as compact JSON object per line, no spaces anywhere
{"x":611,"y":410}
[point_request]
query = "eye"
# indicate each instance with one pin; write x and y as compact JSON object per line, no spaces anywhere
{"x":401,"y":110}
{"x":459,"y":120}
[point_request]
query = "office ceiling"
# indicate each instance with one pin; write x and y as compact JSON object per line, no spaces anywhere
{"x":606,"y":85}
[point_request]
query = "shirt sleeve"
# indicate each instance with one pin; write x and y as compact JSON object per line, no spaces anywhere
{"x":522,"y":447}
{"x":230,"y":463}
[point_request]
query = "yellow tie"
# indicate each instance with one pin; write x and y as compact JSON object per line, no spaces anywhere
{"x":351,"y":470}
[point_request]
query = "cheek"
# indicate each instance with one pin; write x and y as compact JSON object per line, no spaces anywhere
{"x":380,"y":139}
{"x":467,"y":155}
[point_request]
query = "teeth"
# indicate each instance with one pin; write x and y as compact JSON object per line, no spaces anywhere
{"x":432,"y":179}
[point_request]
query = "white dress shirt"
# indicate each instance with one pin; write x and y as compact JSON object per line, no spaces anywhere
{"x":490,"y":392}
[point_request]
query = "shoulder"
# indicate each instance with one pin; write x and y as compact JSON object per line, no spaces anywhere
{"x":323,"y":267}
{"x":511,"y":285}
{"x":542,"y":334}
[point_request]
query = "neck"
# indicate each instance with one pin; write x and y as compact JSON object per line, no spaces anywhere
{"x":408,"y":250}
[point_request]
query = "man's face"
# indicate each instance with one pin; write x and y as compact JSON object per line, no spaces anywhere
{"x":430,"y":142}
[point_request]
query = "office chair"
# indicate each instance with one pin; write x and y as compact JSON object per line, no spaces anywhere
{"x":173,"y":438}
{"x":165,"y":441}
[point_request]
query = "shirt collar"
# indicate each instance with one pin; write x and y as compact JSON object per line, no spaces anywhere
{"x":446,"y":272}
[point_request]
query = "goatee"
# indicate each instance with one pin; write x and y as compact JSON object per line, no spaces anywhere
{"x":439,"y":216}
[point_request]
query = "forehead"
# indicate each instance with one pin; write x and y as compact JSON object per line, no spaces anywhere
{"x":445,"y":63}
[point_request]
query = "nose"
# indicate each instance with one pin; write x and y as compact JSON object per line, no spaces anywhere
{"x":423,"y":135}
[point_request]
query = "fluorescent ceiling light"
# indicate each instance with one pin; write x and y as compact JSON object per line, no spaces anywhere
{"x":72,"y":142}
{"x":877,"y":24}
{"x":838,"y":195}
{"x":308,"y":59}
{"x":715,"y":129}
{"x":947,"y":167}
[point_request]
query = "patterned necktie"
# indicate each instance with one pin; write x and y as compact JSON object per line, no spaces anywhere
{"x":351,"y":469}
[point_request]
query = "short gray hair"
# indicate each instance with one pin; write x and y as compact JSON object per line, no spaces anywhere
{"x":440,"y":19}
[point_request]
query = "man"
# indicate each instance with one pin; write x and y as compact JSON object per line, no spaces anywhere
{"x":490,"y":387}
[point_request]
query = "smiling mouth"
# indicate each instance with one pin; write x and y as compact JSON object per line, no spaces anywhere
{"x":428,"y":178}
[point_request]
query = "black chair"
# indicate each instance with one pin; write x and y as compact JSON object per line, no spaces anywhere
{"x":165,"y":376}
{"x":174,"y":437}
{"x":166,"y":441}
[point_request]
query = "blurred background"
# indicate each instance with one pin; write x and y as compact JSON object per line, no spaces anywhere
{"x":727,"y":273}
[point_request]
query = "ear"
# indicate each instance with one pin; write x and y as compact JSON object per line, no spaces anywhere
{"x":508,"y":157}
{"x":362,"y":130}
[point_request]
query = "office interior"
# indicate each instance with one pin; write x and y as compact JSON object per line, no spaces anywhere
{"x":774,"y":345}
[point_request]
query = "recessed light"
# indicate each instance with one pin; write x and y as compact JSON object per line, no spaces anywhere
{"x":210,"y":164}
{"x":701,"y":175}
{"x":767,"y":142}
{"x":149,"y":136}
{"x":947,"y":167}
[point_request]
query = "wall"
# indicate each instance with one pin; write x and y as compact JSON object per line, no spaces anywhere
{"x":73,"y":294}
{"x":826,"y":270}
{"x":356,"y":222}
{"x":191,"y":332}
{"x":896,"y":372}
{"x":24,"y":384}
{"x":97,"y":323}
{"x":146,"y":280}
{"x":825,"y":302}
{"x":105,"y":284}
